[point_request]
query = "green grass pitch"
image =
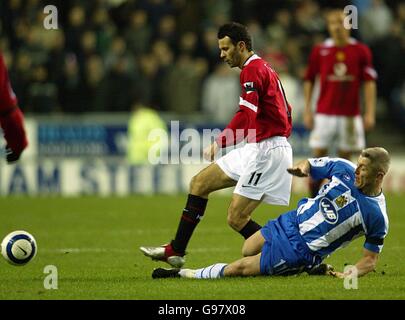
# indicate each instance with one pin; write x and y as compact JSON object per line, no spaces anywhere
{"x":94,"y":243}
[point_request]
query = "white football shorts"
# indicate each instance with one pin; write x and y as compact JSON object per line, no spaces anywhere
{"x":260,"y":170}
{"x":347,"y":132}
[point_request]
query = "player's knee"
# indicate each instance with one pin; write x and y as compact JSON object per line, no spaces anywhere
{"x":246,"y":250}
{"x":198,"y":186}
{"x":235,"y":219}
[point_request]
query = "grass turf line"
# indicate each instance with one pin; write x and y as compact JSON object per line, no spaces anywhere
{"x":94,"y":243}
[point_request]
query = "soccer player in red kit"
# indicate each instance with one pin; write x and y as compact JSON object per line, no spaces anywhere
{"x":342,"y":65}
{"x":11,"y":117}
{"x":258,"y":170}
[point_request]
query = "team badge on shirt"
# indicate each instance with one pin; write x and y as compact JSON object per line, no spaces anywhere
{"x":340,"y":56}
{"x":249,"y":87}
{"x":341,"y":201}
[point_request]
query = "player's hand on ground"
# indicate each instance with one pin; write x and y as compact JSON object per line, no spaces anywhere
{"x":210,"y":152}
{"x":337,"y":274}
{"x":308,"y":120}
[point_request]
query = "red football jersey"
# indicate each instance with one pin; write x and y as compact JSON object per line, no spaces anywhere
{"x":341,"y":71}
{"x":263,"y":109}
{"x":7,"y":97}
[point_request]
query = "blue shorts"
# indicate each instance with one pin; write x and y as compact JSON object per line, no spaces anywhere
{"x":284,"y":252}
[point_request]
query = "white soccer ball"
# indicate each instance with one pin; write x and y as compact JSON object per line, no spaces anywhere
{"x":19,"y":247}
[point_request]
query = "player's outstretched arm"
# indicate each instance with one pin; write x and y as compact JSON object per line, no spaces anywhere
{"x":365,"y":265}
{"x":301,"y":169}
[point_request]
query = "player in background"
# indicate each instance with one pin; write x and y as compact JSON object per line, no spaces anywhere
{"x":258,"y":169}
{"x":350,"y":205}
{"x":11,"y":117}
{"x":342,"y":65}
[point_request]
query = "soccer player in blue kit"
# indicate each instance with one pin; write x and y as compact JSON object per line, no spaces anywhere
{"x":350,"y":205}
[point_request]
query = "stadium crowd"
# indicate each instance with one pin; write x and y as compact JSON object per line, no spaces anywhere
{"x":108,"y":53}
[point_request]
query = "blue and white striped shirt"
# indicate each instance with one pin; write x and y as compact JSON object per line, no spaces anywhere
{"x":340,"y":212}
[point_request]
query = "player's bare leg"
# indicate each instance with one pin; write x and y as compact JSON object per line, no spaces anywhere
{"x":314,"y":185}
{"x":245,"y":267}
{"x":239,"y":213}
{"x":253,"y":245}
{"x":208,"y":180}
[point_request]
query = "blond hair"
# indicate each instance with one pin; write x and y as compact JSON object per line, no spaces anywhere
{"x":379,"y":158}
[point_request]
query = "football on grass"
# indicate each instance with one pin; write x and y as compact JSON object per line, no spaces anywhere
{"x":19,"y":248}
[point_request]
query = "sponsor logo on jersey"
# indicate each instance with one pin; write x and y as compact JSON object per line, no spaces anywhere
{"x":328,"y":210}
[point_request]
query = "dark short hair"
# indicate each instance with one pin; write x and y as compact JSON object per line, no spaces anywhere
{"x":236,"y":32}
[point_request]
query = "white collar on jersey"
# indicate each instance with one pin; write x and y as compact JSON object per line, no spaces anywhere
{"x":251,"y":58}
{"x":330,"y":43}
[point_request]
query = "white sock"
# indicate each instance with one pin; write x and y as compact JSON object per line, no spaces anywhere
{"x":214,"y":271}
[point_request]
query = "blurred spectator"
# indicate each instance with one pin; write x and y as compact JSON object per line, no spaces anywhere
{"x":210,"y":47}
{"x":42,"y":94}
{"x":20,"y":77}
{"x":116,"y":87}
{"x":278,"y":31}
{"x":392,"y":70}
{"x":259,"y":38}
{"x":75,"y":28}
{"x":188,"y":15}
{"x":376,"y":21}
{"x":139,"y":33}
{"x":183,"y":84}
{"x":216,"y":11}
{"x":293,"y":91}
{"x":157,"y":9}
{"x":56,"y":58}
{"x":220,"y":94}
{"x":147,"y":78}
{"x":104,"y":30}
{"x":188,"y":44}
{"x":92,"y":94}
{"x":88,"y":47}
{"x":70,"y":93}
{"x":143,"y":122}
{"x":101,"y":33}
{"x":167,"y":30}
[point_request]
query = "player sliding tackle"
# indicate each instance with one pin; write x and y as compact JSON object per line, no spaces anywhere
{"x":350,"y":205}
{"x":258,"y":169}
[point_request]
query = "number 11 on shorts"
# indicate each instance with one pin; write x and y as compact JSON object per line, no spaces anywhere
{"x":254,"y":178}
